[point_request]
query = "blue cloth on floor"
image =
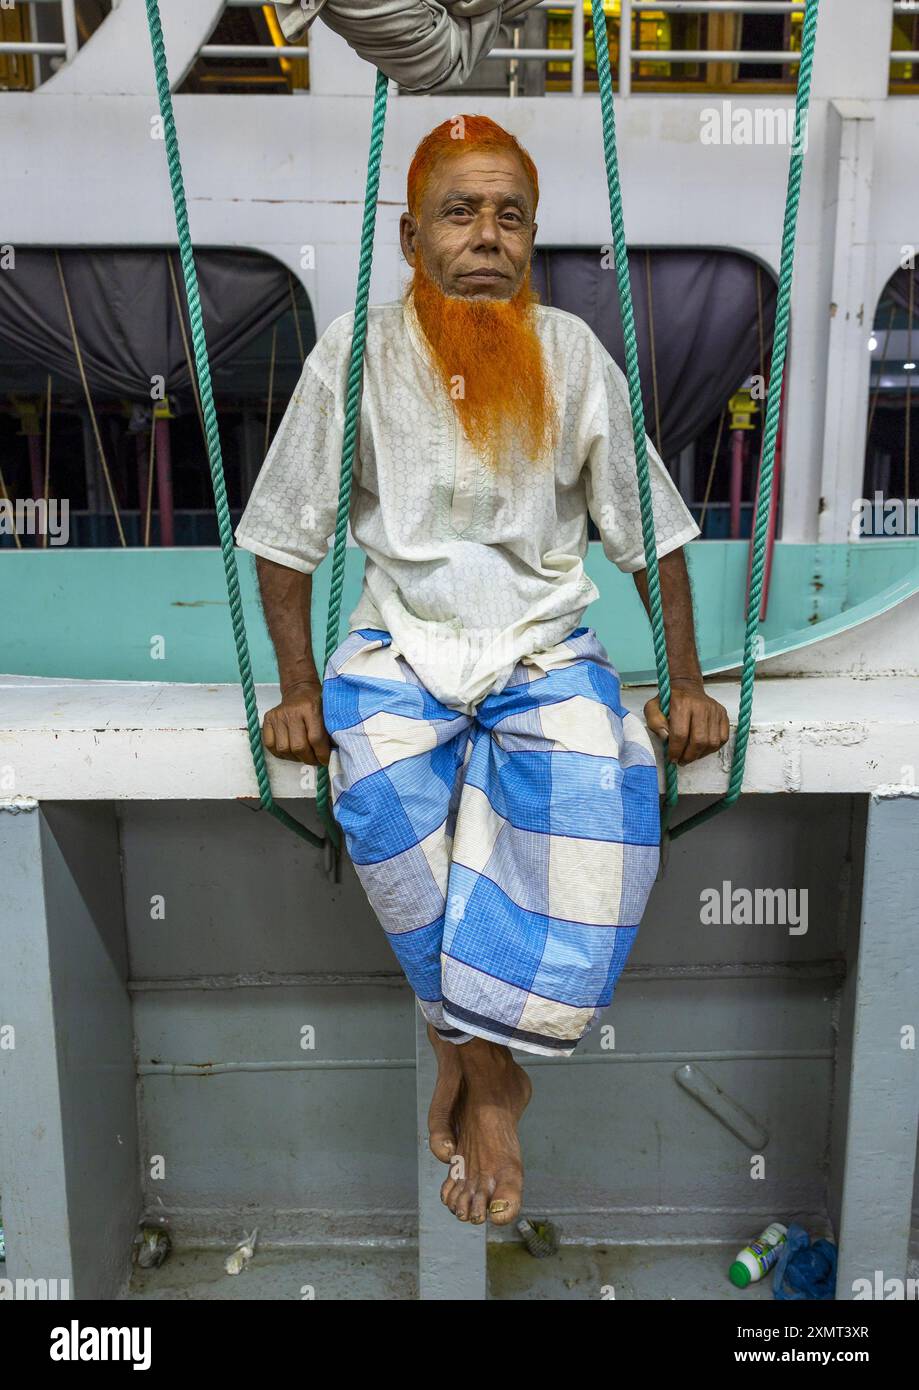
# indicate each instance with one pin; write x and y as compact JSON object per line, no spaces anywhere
{"x":804,"y":1270}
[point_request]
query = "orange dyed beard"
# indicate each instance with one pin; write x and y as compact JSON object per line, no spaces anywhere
{"x":488,"y":355}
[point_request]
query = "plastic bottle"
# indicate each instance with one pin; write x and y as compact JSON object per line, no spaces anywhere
{"x":756,"y":1259}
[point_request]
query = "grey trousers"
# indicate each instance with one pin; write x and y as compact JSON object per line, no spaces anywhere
{"x":419,"y":44}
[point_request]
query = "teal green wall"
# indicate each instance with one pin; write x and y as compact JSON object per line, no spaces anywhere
{"x":94,"y":614}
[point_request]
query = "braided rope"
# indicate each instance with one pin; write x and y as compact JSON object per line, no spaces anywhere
{"x":215,"y":457}
{"x":352,"y":408}
{"x":776,"y":376}
{"x":620,"y":249}
{"x":777,"y":371}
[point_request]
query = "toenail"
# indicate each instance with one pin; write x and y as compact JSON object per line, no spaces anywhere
{"x":497,"y":1207}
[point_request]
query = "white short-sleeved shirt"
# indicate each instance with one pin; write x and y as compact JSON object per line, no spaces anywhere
{"x":469,"y":570}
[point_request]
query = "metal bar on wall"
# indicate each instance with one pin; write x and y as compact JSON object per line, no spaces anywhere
{"x":625,"y":49}
{"x":71,"y":38}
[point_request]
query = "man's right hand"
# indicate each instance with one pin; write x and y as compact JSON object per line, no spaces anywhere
{"x":295,"y":729}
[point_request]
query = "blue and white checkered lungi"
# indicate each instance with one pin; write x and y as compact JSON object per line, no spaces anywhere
{"x":508,"y":854}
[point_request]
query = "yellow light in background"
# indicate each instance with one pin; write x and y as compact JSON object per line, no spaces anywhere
{"x":744,"y":410}
{"x":290,"y":67}
{"x":277,"y":35}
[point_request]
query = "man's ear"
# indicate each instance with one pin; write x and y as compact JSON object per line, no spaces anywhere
{"x":408,"y":233}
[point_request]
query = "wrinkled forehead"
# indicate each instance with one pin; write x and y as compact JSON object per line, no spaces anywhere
{"x":480,"y":173}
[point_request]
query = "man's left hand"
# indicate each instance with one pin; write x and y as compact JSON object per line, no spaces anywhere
{"x":697,"y":724}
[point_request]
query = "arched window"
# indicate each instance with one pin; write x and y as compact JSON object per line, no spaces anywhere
{"x":103,"y":335}
{"x":44,"y":36}
{"x":704,"y":323}
{"x":891,"y":455}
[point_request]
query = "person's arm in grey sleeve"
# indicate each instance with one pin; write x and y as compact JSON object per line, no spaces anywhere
{"x":420,"y":44}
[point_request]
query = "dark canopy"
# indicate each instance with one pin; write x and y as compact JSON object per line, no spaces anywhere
{"x":706,"y":336}
{"x":897,"y":289}
{"x":127,"y":323}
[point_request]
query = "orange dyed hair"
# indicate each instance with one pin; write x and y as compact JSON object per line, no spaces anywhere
{"x":455,"y":137}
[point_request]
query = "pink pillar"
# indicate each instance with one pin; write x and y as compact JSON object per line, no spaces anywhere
{"x":164,"y":483}
{"x":142,"y":453}
{"x":36,"y":466}
{"x":773,"y":516}
{"x":738,"y":449}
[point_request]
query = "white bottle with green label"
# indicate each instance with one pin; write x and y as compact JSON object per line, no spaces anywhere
{"x":756,"y":1259}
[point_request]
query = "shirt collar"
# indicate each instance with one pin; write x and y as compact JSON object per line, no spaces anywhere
{"x":415,"y":331}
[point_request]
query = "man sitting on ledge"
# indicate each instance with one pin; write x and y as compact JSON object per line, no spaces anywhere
{"x":498,"y":802}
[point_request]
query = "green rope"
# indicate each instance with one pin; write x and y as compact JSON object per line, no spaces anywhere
{"x":777,"y":371}
{"x":627,"y":314}
{"x":215,"y":458}
{"x":352,"y":410}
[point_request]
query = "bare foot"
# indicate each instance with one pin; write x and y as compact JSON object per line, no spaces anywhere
{"x":441,"y":1129}
{"x":486,"y":1177}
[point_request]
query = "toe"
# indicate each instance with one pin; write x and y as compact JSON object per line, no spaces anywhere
{"x":442,"y":1144}
{"x":455,"y":1196}
{"x":504,"y":1206}
{"x":464,"y":1202}
{"x":479,"y":1208}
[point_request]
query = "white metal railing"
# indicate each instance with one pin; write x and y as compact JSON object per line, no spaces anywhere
{"x":251,"y":50}
{"x":71,"y":43}
{"x":628,"y":55}
{"x":66,"y":50}
{"x":905,"y":55}
{"x":575,"y":54}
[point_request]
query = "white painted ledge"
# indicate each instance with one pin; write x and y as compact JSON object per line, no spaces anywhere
{"x":66,"y":740}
